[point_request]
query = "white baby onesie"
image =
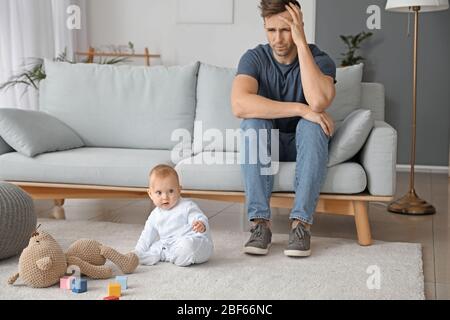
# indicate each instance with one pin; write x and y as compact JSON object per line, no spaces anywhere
{"x":177,"y":242}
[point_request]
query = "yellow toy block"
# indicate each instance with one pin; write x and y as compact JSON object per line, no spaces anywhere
{"x":114,"y":289}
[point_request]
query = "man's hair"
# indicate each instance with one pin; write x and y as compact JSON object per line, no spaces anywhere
{"x":162,"y":171}
{"x":272,"y":7}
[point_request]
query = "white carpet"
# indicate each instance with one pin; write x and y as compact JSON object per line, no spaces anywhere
{"x":336,"y":269}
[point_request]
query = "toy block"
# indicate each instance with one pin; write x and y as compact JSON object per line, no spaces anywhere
{"x":114,"y":289}
{"x":79,"y":285}
{"x":111,"y":298}
{"x":123,"y":282}
{"x":66,"y":282}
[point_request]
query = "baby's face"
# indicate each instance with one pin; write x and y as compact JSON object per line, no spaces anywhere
{"x":164,"y":192}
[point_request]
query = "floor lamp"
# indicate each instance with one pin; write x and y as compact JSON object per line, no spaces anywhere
{"x":410,"y":203}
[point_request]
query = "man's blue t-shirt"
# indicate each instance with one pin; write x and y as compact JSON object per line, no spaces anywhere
{"x":281,"y":82}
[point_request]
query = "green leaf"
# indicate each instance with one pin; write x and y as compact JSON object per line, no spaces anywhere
{"x":355,"y":40}
{"x":365,"y":36}
{"x":345,"y":39}
{"x":115,"y":60}
{"x":12,"y":83}
{"x":28,"y":76}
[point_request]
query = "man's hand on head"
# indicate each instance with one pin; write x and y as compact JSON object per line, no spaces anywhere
{"x":296,"y":24}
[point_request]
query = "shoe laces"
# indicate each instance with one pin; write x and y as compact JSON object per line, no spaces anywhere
{"x":257,"y":232}
{"x":299,"y":232}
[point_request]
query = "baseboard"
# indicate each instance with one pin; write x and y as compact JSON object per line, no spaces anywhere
{"x":426,"y":169}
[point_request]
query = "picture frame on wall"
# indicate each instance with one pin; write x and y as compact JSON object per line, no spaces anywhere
{"x":205,"y":11}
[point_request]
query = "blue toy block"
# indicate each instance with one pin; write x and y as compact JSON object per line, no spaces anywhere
{"x":122,"y":280}
{"x":79,"y":285}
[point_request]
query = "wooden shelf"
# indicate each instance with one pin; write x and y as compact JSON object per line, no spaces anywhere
{"x":92,"y":53}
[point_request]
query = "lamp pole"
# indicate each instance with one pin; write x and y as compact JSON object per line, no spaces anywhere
{"x":411,"y":204}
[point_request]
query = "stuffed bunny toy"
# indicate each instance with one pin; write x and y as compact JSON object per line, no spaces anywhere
{"x":43,"y":262}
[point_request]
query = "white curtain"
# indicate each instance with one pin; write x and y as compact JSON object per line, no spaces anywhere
{"x":34,"y":29}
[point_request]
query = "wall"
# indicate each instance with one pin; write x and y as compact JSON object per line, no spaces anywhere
{"x":389,"y":61}
{"x":152,"y":23}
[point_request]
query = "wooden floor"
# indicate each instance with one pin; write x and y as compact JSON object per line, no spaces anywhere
{"x":431,"y":231}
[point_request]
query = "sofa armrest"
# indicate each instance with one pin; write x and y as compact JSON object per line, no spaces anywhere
{"x":379,"y":159}
{"x":4,"y":147}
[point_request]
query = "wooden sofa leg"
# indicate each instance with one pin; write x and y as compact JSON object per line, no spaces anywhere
{"x":362,"y":223}
{"x":58,"y":210}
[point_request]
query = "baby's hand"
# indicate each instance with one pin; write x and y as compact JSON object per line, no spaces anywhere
{"x":198,"y":226}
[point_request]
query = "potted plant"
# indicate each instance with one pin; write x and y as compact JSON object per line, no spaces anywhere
{"x":353,"y":44}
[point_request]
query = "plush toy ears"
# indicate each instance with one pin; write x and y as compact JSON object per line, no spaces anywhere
{"x":35,"y":232}
{"x":44,"y":263}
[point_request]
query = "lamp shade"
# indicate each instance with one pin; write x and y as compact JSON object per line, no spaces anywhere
{"x":425,"y":5}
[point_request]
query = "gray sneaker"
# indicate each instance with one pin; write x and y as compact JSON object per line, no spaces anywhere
{"x":259,"y":241}
{"x":299,"y":242}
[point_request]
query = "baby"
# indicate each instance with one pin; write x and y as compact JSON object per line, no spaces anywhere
{"x":176,"y":230}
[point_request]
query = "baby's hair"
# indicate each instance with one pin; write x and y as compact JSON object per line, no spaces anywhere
{"x":162,"y":171}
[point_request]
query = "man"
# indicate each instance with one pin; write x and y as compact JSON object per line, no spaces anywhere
{"x":285,"y":85}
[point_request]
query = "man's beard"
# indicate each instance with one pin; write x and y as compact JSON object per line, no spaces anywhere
{"x":286,"y":51}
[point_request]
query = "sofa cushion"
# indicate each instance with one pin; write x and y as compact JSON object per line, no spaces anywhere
{"x":121,"y":106}
{"x":91,"y":166}
{"x":372,"y":98}
{"x":213,"y":114}
{"x":350,"y":136}
{"x":221,"y":171}
{"x":348,"y":177}
{"x":379,"y":158}
{"x":33,"y":132}
{"x":348,"y":92}
{"x":4,"y":147}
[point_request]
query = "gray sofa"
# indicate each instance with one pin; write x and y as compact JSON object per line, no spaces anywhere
{"x":131,"y":118}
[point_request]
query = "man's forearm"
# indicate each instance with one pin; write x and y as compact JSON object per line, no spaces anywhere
{"x":318,"y":89}
{"x":255,"y":106}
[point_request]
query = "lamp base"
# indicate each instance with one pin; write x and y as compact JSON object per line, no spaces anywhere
{"x":411,"y":204}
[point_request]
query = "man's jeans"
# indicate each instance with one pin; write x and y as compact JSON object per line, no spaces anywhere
{"x":308,"y":147}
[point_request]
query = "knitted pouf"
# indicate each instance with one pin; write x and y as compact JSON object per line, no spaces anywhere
{"x":17,"y":219}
